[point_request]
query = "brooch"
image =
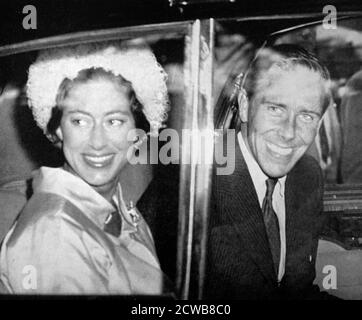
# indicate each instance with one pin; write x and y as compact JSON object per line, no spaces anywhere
{"x":131,"y":209}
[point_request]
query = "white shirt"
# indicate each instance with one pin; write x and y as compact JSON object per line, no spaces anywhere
{"x":259,"y":178}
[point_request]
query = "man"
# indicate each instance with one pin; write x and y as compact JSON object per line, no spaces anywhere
{"x":266,"y":216}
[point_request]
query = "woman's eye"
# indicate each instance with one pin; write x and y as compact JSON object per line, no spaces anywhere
{"x":79,"y":122}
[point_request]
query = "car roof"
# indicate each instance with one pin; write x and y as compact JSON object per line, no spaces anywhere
{"x":55,"y":17}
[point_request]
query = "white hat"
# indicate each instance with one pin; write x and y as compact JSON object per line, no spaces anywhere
{"x":135,"y":63}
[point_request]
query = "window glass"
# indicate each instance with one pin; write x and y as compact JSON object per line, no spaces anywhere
{"x":337,"y":146}
{"x":152,"y":182}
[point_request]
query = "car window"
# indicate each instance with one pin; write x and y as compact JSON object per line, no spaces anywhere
{"x":337,"y":146}
{"x":152,"y":182}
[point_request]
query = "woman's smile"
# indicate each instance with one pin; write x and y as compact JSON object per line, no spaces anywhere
{"x":99,"y":161}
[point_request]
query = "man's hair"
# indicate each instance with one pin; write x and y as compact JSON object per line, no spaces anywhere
{"x":84,"y":76}
{"x":285,"y":57}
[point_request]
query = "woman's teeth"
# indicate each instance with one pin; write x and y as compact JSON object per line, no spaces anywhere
{"x":99,"y":161}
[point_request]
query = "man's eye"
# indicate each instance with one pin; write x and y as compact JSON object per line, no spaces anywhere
{"x":116,"y":122}
{"x":307,"y":117}
{"x":275,"y":109}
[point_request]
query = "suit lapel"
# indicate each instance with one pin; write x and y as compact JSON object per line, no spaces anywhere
{"x":240,"y":204}
{"x":297,"y":195}
{"x":292,"y":194}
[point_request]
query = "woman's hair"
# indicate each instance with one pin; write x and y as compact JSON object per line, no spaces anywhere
{"x":85,"y":76}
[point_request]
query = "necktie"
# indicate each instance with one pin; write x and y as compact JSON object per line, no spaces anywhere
{"x":323,"y":139}
{"x":271,"y":222}
{"x":113,"y":224}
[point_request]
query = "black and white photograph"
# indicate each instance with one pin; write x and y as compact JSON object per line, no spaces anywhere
{"x":189,"y":153}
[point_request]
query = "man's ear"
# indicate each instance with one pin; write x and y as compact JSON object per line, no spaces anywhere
{"x":243,"y":105}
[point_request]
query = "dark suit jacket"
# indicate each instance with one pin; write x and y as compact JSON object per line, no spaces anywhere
{"x":239,"y":259}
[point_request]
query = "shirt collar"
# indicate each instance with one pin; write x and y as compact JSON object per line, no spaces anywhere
{"x":257,"y":175}
{"x":77,"y":191}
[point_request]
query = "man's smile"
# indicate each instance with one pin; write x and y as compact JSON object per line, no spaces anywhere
{"x":279,"y":152}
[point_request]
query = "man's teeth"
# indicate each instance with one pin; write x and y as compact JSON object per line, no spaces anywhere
{"x":281,"y":151}
{"x":99,"y":159}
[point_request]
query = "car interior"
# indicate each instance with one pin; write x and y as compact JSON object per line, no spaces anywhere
{"x":224,"y":48}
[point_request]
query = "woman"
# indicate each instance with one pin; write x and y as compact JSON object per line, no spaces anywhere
{"x":76,"y":235}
